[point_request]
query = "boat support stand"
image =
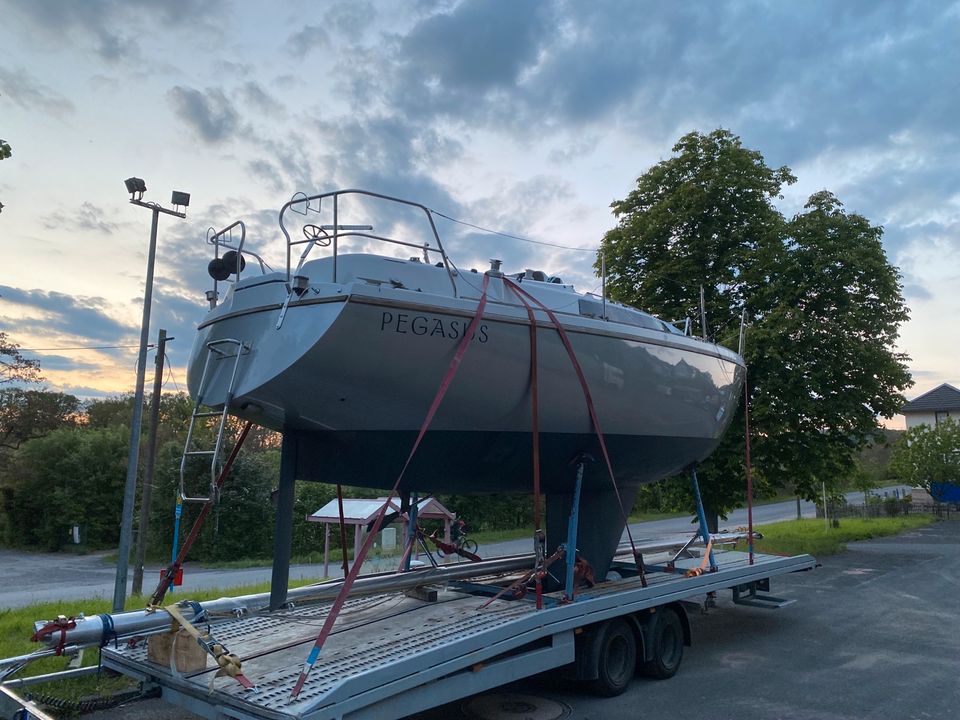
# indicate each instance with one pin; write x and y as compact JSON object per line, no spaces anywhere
{"x":572,"y":525}
{"x":701,"y":515}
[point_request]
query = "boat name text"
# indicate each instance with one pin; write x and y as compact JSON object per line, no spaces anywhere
{"x":405,"y":323}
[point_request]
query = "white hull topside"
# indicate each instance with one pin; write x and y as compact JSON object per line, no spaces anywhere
{"x":367,"y":353}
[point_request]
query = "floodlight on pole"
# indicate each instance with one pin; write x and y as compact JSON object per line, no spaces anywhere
{"x":136,"y":187}
{"x":180,"y":199}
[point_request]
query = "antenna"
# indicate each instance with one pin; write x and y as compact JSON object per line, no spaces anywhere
{"x":603,"y":290}
{"x":743,"y":327}
{"x":703,"y":314}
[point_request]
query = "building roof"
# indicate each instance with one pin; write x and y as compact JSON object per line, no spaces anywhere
{"x":942,"y":397}
{"x":362,"y":512}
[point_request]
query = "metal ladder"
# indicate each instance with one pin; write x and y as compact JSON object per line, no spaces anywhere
{"x":214,"y":351}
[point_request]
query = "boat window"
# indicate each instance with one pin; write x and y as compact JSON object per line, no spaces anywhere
{"x":620,"y":314}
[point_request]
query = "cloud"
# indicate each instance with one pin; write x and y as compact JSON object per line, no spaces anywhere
{"x":209,"y":113}
{"x":63,"y":363}
{"x":254,"y":94}
{"x":87,"y":217}
{"x":23,"y":89}
{"x":914,"y":292}
{"x":112,"y":24}
{"x":66,"y":315}
{"x":307,"y":39}
{"x":468,"y":57}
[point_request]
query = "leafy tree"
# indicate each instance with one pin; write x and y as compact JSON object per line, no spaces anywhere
{"x":824,"y":302}
{"x":71,"y":476}
{"x":26,"y":414}
{"x":14,"y":367}
{"x":110,"y":412}
{"x":929,"y":457}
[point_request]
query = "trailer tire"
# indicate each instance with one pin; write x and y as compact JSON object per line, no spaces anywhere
{"x":614,"y":650}
{"x":666,"y":645}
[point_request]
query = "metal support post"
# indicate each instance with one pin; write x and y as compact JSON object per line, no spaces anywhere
{"x":146,"y":492}
{"x":130,"y":486}
{"x":701,"y":514}
{"x":408,"y":542}
{"x":283,"y":523}
{"x":572,"y":524}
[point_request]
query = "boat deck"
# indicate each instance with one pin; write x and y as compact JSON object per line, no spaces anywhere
{"x":390,"y":644}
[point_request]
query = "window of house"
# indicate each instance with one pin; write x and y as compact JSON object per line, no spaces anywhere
{"x":940,"y":415}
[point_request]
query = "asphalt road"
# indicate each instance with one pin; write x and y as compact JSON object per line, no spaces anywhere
{"x":26,"y":578}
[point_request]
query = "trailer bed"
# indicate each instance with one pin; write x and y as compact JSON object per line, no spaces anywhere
{"x":429,"y":652}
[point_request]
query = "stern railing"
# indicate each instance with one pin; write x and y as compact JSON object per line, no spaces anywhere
{"x":331,"y":235}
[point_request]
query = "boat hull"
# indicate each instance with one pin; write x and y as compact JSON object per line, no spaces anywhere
{"x":353,"y":378}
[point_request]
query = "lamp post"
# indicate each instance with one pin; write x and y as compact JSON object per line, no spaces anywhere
{"x":136,"y":187}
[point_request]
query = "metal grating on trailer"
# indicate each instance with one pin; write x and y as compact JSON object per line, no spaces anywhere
{"x":369,"y":636}
{"x":390,"y":645}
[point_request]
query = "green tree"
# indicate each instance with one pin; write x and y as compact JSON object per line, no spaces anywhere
{"x":14,"y":367}
{"x":27,"y":414}
{"x":110,"y":412}
{"x":824,"y":302}
{"x":73,"y":476}
{"x":929,"y":457}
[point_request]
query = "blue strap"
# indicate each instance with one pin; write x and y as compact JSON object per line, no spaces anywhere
{"x":108,"y":630}
{"x":199,"y":614}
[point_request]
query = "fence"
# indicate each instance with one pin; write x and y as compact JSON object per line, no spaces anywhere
{"x":891,"y":507}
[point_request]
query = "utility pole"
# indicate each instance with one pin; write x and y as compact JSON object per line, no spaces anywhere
{"x":149,"y":461}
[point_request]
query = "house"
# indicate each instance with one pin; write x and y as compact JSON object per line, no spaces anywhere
{"x":933,"y":407}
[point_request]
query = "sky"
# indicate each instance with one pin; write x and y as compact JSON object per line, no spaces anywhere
{"x":526,"y":117}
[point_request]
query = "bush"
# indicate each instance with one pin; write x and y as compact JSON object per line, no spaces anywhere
{"x":70,"y":477}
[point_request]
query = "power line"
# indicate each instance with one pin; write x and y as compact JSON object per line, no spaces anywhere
{"x":513,"y":237}
{"x":83,"y":347}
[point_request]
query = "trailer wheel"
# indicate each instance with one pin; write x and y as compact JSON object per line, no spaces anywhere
{"x":615,"y":653}
{"x":666,"y":643}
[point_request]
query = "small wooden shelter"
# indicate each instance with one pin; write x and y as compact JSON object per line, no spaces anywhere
{"x":361,"y":512}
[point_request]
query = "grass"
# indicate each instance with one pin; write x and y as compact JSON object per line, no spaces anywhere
{"x":16,"y":627}
{"x":795,"y":537}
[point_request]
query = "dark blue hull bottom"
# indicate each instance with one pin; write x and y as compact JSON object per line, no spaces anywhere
{"x":468,"y":463}
{"x":501,"y":462}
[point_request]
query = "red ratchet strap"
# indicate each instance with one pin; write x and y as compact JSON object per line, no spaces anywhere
{"x":358,"y":560}
{"x":448,"y":548}
{"x":518,"y":587}
{"x":593,"y":414}
{"x":168,"y":576}
{"x":61,"y":625}
{"x":535,"y":431}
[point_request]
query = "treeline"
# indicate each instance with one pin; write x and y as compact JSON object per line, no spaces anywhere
{"x":63,"y":464}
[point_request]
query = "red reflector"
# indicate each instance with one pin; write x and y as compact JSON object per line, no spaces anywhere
{"x":177,"y":577}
